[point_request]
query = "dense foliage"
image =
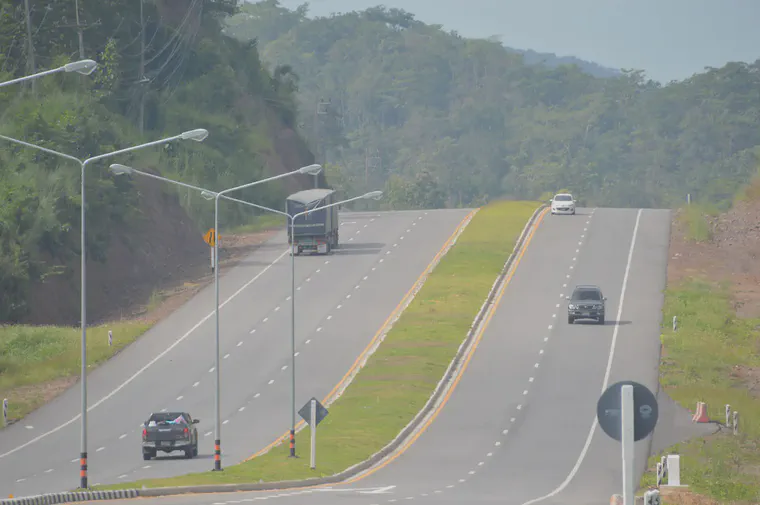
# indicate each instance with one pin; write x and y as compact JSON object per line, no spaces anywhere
{"x":442,"y":120}
{"x":194,"y":77}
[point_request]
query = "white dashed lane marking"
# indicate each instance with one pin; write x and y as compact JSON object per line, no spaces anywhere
{"x":240,"y":343}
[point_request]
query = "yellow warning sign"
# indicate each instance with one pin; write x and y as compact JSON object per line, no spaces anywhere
{"x":210,"y":237}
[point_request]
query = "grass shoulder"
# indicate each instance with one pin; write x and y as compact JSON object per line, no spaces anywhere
{"x":711,"y":357}
{"x":39,"y":362}
{"x":400,"y":376}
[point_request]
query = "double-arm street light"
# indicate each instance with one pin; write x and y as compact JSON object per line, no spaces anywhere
{"x":208,"y":195}
{"x":197,"y":135}
{"x":375,"y":195}
{"x":84,"y":67}
{"x":307,"y":170}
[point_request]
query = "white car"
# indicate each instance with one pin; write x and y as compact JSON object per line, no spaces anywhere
{"x":563,"y":203}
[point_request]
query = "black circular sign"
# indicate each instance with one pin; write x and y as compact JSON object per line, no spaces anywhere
{"x":645,"y":411}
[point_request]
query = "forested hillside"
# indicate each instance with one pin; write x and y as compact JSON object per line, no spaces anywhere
{"x":442,"y":120}
{"x":139,"y":232}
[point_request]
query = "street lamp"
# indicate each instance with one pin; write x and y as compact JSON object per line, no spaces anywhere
{"x":209,"y":195}
{"x":313,"y":169}
{"x":198,"y":135}
{"x":375,"y":195}
{"x":84,"y":67}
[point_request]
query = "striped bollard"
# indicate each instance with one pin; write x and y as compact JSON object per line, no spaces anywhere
{"x":5,"y":411}
{"x":110,"y":338}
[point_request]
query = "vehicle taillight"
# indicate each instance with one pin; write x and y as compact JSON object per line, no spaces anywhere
{"x":145,"y":433}
{"x":186,"y":430}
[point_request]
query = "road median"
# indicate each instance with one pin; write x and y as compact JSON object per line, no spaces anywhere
{"x":400,"y":381}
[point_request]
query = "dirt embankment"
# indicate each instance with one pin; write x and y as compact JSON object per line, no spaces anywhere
{"x":162,"y":261}
{"x":730,"y":255}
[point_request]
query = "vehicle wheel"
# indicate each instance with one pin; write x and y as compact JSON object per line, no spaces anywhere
{"x":195,"y":450}
{"x":147,"y":456}
{"x":189,"y":453}
{"x":573,"y":212}
{"x":328,"y":249}
{"x":570,"y":320}
{"x":601,"y":319}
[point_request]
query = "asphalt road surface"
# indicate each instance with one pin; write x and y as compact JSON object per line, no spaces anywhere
{"x":518,"y":427}
{"x":341,"y":302}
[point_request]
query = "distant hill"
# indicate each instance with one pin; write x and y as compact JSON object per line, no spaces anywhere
{"x":551,"y":60}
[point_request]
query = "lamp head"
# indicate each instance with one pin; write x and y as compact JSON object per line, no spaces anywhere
{"x":118,"y":169}
{"x":310,"y":169}
{"x":208,"y":195}
{"x":84,"y":67}
{"x":373,"y":195}
{"x":198,"y":135}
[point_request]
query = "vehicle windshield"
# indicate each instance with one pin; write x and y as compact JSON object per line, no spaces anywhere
{"x":587,"y":294}
{"x":167,"y":418}
{"x":563,"y":198}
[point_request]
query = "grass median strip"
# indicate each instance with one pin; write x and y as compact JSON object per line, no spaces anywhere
{"x":402,"y":373}
{"x":712,"y":357}
{"x":38,"y":362}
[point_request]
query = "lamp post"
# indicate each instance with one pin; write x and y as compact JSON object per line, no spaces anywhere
{"x":208,"y":195}
{"x":84,"y":67}
{"x":313,"y":169}
{"x":375,"y":195}
{"x":198,"y":135}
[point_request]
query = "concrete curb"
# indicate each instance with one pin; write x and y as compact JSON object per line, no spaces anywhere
{"x":49,"y":499}
{"x":409,"y":429}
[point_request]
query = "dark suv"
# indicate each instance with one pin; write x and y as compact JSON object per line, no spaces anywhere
{"x":586,"y":302}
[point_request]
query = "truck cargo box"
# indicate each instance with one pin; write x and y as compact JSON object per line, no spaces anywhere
{"x":318,"y":230}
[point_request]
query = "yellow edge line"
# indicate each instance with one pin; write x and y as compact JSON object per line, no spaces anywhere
{"x":470,"y":354}
{"x":377,"y":335}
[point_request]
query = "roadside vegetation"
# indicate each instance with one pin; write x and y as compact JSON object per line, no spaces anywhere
{"x":401,"y":375}
{"x":38,"y":362}
{"x":713,"y":355}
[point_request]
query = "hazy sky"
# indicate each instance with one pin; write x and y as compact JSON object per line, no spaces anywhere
{"x":669,"y":39}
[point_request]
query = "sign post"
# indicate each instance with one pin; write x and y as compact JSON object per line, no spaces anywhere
{"x":210,"y":239}
{"x":313,"y":430}
{"x":626,"y":408}
{"x":627,"y":412}
{"x":313,"y":412}
{"x":5,"y":412}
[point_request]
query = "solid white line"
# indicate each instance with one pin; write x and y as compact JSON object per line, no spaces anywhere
{"x":150,"y":363}
{"x":611,"y":356}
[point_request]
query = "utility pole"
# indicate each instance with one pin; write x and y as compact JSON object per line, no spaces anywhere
{"x":318,"y":111}
{"x":141,"y":76}
{"x":30,"y":46}
{"x":79,"y":30}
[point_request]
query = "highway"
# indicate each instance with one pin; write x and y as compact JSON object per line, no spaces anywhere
{"x":519,"y":427}
{"x":342,"y":300}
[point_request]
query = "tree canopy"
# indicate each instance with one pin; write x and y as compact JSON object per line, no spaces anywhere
{"x":443,"y":120}
{"x":190,"y":75}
